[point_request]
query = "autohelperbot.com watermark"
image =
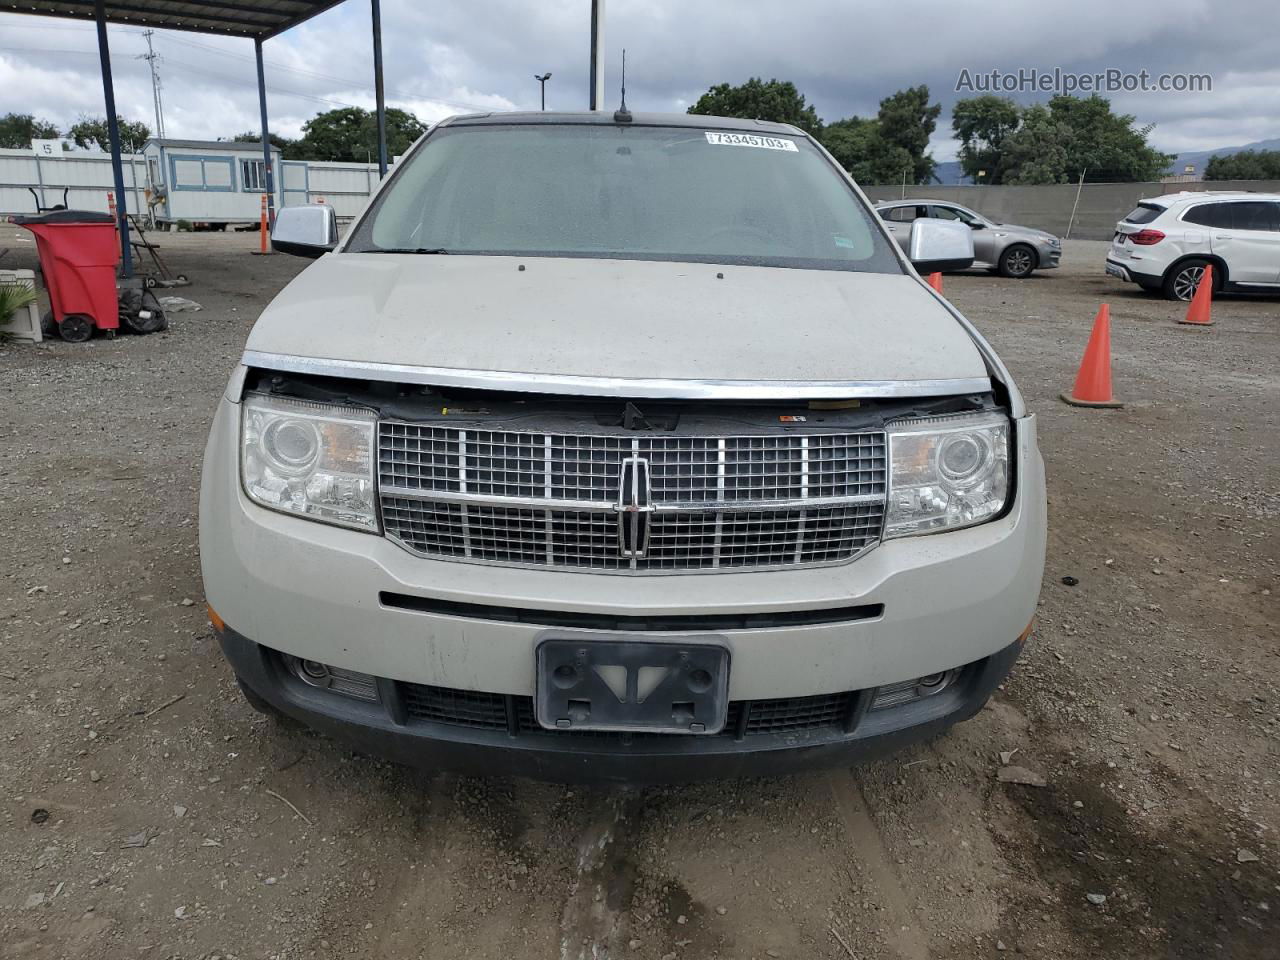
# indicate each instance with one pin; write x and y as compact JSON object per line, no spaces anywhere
{"x":1059,"y":81}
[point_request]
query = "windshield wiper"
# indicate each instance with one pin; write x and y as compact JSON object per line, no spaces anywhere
{"x":423,"y":250}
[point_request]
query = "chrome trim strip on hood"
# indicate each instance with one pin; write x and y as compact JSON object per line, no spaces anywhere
{"x":617,"y":386}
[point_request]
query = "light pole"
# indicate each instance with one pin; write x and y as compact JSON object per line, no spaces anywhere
{"x":543,"y":80}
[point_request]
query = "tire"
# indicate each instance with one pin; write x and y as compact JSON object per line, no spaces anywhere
{"x":1181,"y":281}
{"x":1017,"y":261}
{"x":48,"y":326}
{"x":75,"y":328}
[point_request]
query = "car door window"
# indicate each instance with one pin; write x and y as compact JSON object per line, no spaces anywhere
{"x":904,"y":214}
{"x":1210,"y":215}
{"x":1254,"y":215}
{"x":951,"y":213}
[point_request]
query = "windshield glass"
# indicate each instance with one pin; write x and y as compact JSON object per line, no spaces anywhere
{"x":615,"y":191}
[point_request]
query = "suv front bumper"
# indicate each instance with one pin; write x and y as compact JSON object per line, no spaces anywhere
{"x":471,"y":739}
{"x":360,"y":602}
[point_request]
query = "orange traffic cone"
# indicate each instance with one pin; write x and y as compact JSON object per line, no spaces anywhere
{"x":1200,"y":312}
{"x":935,"y":281}
{"x":1093,"y":382}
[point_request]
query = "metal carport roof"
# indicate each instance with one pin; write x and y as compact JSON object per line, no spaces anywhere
{"x":257,"y":20}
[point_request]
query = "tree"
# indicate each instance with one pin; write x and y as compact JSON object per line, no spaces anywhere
{"x":17,"y":130}
{"x":1038,"y":151}
{"x":907,"y":120}
{"x":982,"y":124}
{"x":350,"y":134}
{"x":859,"y":146}
{"x":892,"y":145}
{"x":1054,"y":142}
{"x":91,"y":132}
{"x":281,"y":143}
{"x":1106,"y":144}
{"x":776,"y":100}
{"x":1245,"y":165}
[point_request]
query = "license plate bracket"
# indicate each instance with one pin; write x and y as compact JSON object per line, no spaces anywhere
{"x":640,"y":686}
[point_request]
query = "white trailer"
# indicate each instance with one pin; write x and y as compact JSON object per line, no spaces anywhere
{"x":207,"y":181}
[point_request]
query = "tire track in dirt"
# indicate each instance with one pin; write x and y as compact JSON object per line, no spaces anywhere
{"x":469,"y":871}
{"x":905,"y":937}
{"x":600,"y":893}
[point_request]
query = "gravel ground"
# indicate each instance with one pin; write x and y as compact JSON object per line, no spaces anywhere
{"x":147,"y":812}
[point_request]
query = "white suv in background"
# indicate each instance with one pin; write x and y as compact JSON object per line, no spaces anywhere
{"x":1166,"y":242}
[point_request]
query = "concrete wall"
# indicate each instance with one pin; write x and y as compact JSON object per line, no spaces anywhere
{"x":1049,"y":207}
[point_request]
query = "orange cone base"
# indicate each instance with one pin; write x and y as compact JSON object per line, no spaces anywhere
{"x":262,"y":253}
{"x":1197,"y":323}
{"x":1105,"y":404}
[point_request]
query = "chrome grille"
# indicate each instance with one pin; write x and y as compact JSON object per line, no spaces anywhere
{"x":655,"y":503}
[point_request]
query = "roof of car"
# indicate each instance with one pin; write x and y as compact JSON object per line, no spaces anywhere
{"x":1186,"y":196}
{"x":898,"y":203}
{"x":637,"y":120}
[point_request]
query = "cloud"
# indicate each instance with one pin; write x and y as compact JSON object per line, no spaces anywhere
{"x":450,"y":57}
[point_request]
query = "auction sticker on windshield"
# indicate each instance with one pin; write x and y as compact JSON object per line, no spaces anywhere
{"x":751,"y":140}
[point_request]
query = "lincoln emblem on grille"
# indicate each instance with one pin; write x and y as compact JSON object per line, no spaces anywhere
{"x":633,"y":507}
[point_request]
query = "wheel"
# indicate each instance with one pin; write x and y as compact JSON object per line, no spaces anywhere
{"x":1017,"y":262}
{"x":75,"y":328}
{"x":48,"y":326}
{"x":1180,"y":283}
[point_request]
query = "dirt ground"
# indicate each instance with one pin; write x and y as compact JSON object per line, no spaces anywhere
{"x":147,"y":812}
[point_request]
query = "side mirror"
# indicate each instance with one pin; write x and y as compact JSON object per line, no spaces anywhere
{"x":938,"y":246}
{"x":310,"y":231}
{"x":975,"y":225}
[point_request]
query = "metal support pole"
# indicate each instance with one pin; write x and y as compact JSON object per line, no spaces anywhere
{"x":113,"y":131}
{"x":597,"y":58}
{"x":379,"y":95}
{"x":268,"y":185}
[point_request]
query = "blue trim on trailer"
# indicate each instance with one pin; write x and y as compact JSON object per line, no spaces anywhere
{"x":204,"y":179}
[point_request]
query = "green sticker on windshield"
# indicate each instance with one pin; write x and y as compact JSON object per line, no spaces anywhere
{"x":842,"y":241}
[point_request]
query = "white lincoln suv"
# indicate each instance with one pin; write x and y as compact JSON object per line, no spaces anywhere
{"x":620,"y":447}
{"x":1166,"y":242}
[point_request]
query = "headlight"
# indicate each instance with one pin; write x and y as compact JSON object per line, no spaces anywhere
{"x":310,"y":459}
{"x":946,"y":473}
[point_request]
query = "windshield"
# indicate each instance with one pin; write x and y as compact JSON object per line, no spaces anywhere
{"x":623,"y":192}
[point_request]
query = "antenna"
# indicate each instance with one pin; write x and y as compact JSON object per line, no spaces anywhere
{"x":622,"y":114}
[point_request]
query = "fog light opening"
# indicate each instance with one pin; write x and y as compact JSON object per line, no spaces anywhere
{"x":348,"y":683}
{"x":910,"y":691}
{"x":316,"y":674}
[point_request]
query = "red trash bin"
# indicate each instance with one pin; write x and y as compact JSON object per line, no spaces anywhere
{"x":78,"y":255}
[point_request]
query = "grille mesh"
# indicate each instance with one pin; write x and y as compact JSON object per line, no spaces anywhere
{"x":487,"y":711}
{"x":495,"y":496}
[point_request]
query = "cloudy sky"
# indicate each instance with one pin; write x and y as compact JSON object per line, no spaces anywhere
{"x":446,"y":57}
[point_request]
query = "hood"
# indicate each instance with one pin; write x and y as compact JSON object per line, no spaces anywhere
{"x":616,"y":318}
